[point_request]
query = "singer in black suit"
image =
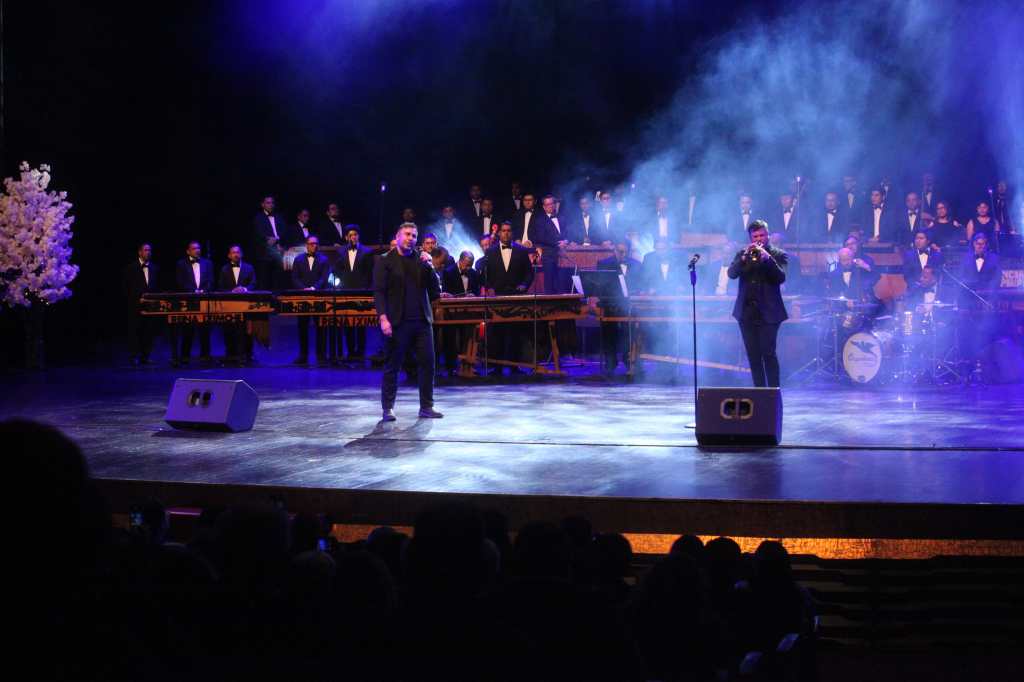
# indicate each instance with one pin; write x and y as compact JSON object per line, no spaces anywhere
{"x":193,"y":274}
{"x":238,"y":277}
{"x":508,"y":272}
{"x":354,"y":270}
{"x":140,"y":277}
{"x":761,"y":270}
{"x":310,"y":271}
{"x":404,"y":285}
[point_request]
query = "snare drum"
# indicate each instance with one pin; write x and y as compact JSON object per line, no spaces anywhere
{"x":864,"y":355}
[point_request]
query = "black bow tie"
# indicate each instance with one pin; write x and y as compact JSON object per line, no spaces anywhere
{"x":832,"y":211}
{"x":193,"y":261}
{"x":979,"y":258}
{"x":506,"y":246}
{"x":787,"y":210}
{"x":923,"y":251}
{"x":911,"y":212}
{"x":146,"y":264}
{"x":353,"y":248}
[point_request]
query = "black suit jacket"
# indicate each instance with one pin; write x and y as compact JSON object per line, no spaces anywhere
{"x":133,"y":281}
{"x":901,"y":221}
{"x":988,"y":279}
{"x":295,"y":237}
{"x":651,"y":226}
{"x":771,"y":274}
{"x":777,"y":223}
{"x":476,"y":225}
{"x":389,"y":287}
{"x":653,"y":280}
{"x":544,"y":234}
{"x":184,"y":278}
{"x":818,"y":228}
{"x":358,"y":277}
{"x":329,"y":234}
{"x":518,"y":221}
{"x":912,"y":264}
{"x":888,"y":229}
{"x":516,"y":279}
{"x":507,"y":206}
{"x":451,"y":282}
{"x":634,"y":272}
{"x":303,"y":276}
{"x":578,"y":233}
{"x":855,"y":213}
{"x":246,"y":277}
{"x":614,"y":230}
{"x":261,"y":231}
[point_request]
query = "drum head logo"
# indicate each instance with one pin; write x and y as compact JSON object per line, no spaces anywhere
{"x":862,"y":357}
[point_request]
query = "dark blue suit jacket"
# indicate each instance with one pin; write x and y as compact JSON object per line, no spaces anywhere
{"x":185,"y":280}
{"x":771,"y":273}
{"x":988,"y":279}
{"x":246,"y":277}
{"x":304,"y":277}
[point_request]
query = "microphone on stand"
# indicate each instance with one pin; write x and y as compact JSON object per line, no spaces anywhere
{"x":693,"y":261}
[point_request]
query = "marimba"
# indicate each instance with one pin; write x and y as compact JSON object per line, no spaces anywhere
{"x":252,"y":308}
{"x":330,"y":307}
{"x":477,"y":311}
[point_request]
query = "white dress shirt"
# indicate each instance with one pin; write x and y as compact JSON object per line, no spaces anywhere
{"x":506,"y":256}
{"x":234,"y":271}
{"x":195,"y":273}
{"x":846,"y":277}
{"x":526,"y":226}
{"x":145,"y":271}
{"x":662,"y":226}
{"x":352,"y":253}
{"x":273,"y":225}
{"x":554,"y":219}
{"x":786,"y":215}
{"x":912,"y":217}
{"x":693,"y":204}
{"x":922,"y":258}
{"x":664,"y":270}
{"x":487,"y":224}
{"x":979,"y":262}
{"x":829,"y":218}
{"x":878,"y":221}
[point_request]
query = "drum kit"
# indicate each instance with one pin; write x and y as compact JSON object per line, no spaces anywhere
{"x":914,"y":343}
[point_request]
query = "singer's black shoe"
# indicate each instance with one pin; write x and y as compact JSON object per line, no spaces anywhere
{"x":389,"y":415}
{"x":429,"y":413}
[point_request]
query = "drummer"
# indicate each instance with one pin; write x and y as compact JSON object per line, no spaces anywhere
{"x":853,"y":283}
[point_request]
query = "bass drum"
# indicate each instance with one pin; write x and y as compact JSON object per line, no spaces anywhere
{"x":865,"y":354}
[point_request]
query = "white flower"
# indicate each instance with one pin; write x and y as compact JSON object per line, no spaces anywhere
{"x":35,"y":231}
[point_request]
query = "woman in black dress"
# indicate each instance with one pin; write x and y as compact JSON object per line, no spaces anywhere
{"x":983,"y":221}
{"x":945,"y":230}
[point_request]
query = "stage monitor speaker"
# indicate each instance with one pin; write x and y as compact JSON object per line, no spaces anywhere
{"x":739,"y":416}
{"x":212,"y":405}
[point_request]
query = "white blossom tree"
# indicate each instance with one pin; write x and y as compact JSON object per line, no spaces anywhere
{"x":35,"y":231}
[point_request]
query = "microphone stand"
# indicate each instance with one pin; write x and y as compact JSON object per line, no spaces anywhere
{"x":967,"y":288}
{"x":693,"y":303}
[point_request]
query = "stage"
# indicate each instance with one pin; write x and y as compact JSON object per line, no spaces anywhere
{"x":929,"y":463}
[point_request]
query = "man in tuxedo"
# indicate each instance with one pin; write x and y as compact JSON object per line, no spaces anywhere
{"x":237,"y":277}
{"x":460,"y":279}
{"x":929,"y":196}
{"x":663,"y":224}
{"x":786,"y":215}
{"x":911,"y":220}
{"x":585,"y":228}
{"x":472,"y":206}
{"x":310,"y":272}
{"x":548,"y":235}
{"x":353,"y":270}
{"x":761,"y":271}
{"x":268,"y":232}
{"x":922,"y":255}
{"x":449,"y":228}
{"x":981,"y":271}
{"x":485,"y":244}
{"x":736,"y":225}
{"x":508,"y":272}
{"x":511,"y":203}
{"x":486,"y":222}
{"x":140,"y":277}
{"x":300,"y":230}
{"x":331,"y":230}
{"x":613,"y":336}
{"x":852,"y":279}
{"x":192,"y":274}
{"x":878,"y":221}
{"x":662,"y":270}
{"x":403,"y":287}
{"x":521,"y":222}
{"x":829,"y":226}
{"x":851,"y":201}
{"x":608,"y":218}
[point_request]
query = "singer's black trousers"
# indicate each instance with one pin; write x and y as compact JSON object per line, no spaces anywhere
{"x":760,"y":340}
